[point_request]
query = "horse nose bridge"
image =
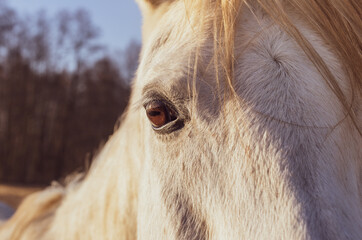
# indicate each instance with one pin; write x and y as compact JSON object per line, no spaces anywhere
{"x":267,"y":194}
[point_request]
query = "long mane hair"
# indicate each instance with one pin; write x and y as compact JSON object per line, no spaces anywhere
{"x":337,"y":22}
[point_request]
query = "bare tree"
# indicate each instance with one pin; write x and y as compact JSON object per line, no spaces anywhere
{"x":51,"y":115}
{"x":7,"y":22}
{"x":131,"y":59}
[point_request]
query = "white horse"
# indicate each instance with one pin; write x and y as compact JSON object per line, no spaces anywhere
{"x":244,"y":123}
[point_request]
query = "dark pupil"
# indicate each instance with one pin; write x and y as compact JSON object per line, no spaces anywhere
{"x":154,"y":113}
{"x":157,"y":113}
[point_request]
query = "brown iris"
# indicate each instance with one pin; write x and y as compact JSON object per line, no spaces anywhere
{"x":158,"y":113}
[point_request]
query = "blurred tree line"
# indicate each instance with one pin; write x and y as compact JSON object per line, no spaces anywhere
{"x":60,"y":94}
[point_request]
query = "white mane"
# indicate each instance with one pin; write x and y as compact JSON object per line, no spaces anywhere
{"x":279,"y":158}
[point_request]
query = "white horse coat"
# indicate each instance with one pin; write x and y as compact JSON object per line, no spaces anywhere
{"x":275,"y":156}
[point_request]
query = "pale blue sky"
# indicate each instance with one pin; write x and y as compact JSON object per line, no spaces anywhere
{"x":119,"y":20}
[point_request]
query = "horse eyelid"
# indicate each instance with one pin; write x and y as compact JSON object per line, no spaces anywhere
{"x":151,"y":96}
{"x":175,"y":124}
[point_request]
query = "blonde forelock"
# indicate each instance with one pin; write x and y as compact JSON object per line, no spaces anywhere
{"x":339,"y":23}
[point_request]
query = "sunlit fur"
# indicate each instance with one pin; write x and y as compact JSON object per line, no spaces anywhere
{"x":270,"y":94}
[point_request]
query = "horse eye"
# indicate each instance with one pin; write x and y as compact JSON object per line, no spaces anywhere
{"x":159,"y":114}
